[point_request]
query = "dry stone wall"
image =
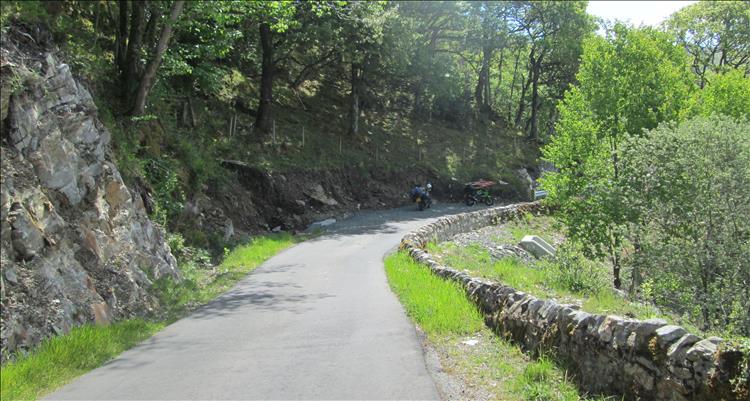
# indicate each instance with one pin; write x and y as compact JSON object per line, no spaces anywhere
{"x":640,"y":359}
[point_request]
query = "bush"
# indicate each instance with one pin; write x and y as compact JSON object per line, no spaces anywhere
{"x":574,"y":272}
{"x":687,"y":193}
{"x":168,"y":195}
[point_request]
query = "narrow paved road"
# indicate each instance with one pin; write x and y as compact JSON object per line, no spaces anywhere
{"x":317,"y":321}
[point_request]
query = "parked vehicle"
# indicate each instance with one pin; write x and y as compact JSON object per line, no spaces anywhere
{"x":421,"y":196}
{"x":478,"y":191}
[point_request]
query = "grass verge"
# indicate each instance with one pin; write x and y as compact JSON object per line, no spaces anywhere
{"x":585,"y":284}
{"x":203,"y":282}
{"x":491,"y":367}
{"x":61,"y":359}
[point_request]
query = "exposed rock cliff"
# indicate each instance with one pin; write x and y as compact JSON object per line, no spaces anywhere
{"x":75,"y":246}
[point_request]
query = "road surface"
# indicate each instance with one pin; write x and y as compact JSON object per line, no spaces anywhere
{"x":317,"y":321}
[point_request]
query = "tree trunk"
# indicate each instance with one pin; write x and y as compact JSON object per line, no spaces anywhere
{"x":481,"y":92}
{"x":263,"y":120}
{"x":418,"y":90}
{"x":132,"y":56}
{"x":151,"y":27}
{"x":499,"y":75}
{"x":150,"y":73}
{"x":122,"y":34}
{"x":522,"y":100}
{"x":354,"y":107}
{"x":513,"y":85}
{"x":616,"y":273}
{"x":535,"y":72}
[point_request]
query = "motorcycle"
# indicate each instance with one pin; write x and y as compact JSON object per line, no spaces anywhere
{"x":478,"y":191}
{"x":421,"y":196}
{"x":423,"y":202}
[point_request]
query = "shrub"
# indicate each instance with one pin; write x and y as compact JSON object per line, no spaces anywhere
{"x":687,"y":193}
{"x":574,"y":272}
{"x":168,"y":195}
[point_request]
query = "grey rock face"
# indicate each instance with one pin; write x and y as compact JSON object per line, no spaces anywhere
{"x":75,"y":247}
{"x":318,"y":194}
{"x":527,"y":183}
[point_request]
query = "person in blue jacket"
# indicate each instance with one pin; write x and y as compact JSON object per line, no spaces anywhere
{"x":423,"y":192}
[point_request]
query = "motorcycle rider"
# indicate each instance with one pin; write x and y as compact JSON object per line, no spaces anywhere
{"x":422,"y":192}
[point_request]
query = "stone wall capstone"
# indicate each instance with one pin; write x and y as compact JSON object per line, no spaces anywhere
{"x":639,"y":359}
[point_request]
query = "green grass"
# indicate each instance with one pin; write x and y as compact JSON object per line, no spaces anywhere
{"x":546,"y":227}
{"x":448,"y":317}
{"x":61,"y":359}
{"x":437,"y":306}
{"x":545,"y":280}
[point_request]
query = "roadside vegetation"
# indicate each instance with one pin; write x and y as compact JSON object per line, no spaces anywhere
{"x":59,"y":360}
{"x":489,"y":366}
{"x":569,"y":277}
{"x":655,"y":181}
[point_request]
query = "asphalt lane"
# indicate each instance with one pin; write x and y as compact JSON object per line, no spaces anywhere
{"x":317,"y":321}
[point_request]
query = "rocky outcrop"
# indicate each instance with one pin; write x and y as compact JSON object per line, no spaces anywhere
{"x":75,"y":247}
{"x":642,"y":360}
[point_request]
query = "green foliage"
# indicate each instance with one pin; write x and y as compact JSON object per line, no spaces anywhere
{"x":59,"y":360}
{"x":576,"y":273}
{"x":687,"y":191}
{"x":621,"y":92}
{"x":439,"y":307}
{"x":625,"y":90}
{"x":716,"y":34}
{"x":167,"y":192}
{"x":540,"y":381}
{"x":25,"y":11}
{"x":569,"y":277}
{"x":727,"y":94}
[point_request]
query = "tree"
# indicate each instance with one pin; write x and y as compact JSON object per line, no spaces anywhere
{"x":555,"y":31}
{"x":621,"y":92}
{"x":727,"y":94}
{"x":716,"y":34}
{"x":491,"y":34}
{"x":686,"y":188}
{"x":147,"y":80}
{"x":360,"y":34}
{"x":136,"y":80}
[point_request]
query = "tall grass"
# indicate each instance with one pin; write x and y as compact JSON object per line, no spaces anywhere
{"x":59,"y":360}
{"x":203,"y":283}
{"x":437,"y":305}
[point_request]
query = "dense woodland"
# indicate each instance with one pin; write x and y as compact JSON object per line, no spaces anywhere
{"x":646,"y":128}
